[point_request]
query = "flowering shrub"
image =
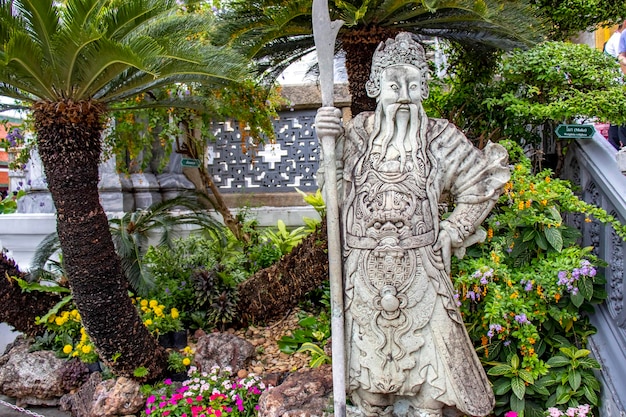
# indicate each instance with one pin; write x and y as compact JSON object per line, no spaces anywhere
{"x":156,"y":317}
{"x":68,"y":336}
{"x":204,"y":394}
{"x":524,"y":293}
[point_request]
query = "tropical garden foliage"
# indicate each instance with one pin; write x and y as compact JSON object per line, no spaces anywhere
{"x":276,"y":33}
{"x":69,"y":62}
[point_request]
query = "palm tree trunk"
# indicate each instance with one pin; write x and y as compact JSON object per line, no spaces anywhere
{"x":69,"y":142}
{"x":359,"y":45}
{"x":274,"y":291}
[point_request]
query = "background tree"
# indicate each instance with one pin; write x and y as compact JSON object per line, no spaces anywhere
{"x":566,"y":18}
{"x":277,"y":32}
{"x":69,"y":62}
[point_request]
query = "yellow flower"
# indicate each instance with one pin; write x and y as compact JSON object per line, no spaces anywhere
{"x":528,"y":203}
{"x":67,"y":349}
{"x":153,"y":303}
{"x":148,"y":322}
{"x":158,"y":312}
{"x":587,"y":220}
{"x":143,"y":303}
{"x":514,"y":295}
{"x":60,"y":321}
{"x":548,"y":180}
{"x":174,"y":313}
{"x":490,"y":233}
{"x":86,"y":349}
{"x":520,"y":206}
{"x":186,"y":361}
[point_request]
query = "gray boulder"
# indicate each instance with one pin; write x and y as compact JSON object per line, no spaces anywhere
{"x":306,"y":393}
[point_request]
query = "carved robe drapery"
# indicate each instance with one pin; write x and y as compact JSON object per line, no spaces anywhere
{"x":402,"y":320}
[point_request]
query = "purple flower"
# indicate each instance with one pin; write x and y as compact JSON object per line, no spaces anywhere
{"x":484,"y":280}
{"x":507,"y":342}
{"x":522,"y":319}
{"x":529,"y":286}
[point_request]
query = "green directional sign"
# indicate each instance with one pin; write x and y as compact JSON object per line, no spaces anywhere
{"x":190,"y":163}
{"x":575,"y":131}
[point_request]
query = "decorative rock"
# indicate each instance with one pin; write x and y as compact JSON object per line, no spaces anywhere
{"x":223,"y":350}
{"x":97,"y":398}
{"x":31,"y":377}
{"x":303,"y":394}
{"x":121,"y":396}
{"x":242,"y":374}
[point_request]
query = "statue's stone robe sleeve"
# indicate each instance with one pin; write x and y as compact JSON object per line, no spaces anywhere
{"x":473,"y":177}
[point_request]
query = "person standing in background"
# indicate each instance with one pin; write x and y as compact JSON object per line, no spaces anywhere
{"x":616,"y":47}
{"x":611,"y":46}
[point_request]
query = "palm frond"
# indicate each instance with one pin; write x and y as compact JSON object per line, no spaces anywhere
{"x":23,"y":59}
{"x":43,"y":23}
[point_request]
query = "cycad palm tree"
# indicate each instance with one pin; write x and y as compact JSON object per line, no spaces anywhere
{"x":277,"y":32}
{"x":68,"y":61}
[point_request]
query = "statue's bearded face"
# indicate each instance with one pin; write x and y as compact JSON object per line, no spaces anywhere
{"x":400,"y":84}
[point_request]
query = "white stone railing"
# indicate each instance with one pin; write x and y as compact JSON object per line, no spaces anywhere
{"x":591,"y":166}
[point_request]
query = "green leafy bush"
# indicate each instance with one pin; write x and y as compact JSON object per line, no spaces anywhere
{"x":525,"y":293}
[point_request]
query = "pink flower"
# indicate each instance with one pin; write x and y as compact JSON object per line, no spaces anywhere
{"x":166,"y":413}
{"x":554,"y":412}
{"x":151,"y":399}
{"x":510,"y":414}
{"x":168,"y":381}
{"x":218,"y":413}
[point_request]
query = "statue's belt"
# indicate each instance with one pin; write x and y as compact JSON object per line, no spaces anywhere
{"x":413,"y":242}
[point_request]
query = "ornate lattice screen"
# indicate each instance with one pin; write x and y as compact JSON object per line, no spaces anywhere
{"x":272,"y":167}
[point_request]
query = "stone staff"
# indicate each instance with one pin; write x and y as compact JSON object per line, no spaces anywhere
{"x":325,"y":33}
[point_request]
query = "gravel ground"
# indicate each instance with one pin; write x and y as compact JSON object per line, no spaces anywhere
{"x":269,"y":358}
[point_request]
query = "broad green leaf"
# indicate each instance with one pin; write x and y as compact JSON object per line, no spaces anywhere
{"x":585,"y":287}
{"x":577,"y":299}
{"x":517,"y":404}
{"x":529,"y":235}
{"x":67,"y":299}
{"x":558,"y":361}
{"x":518,"y":386}
{"x":502,"y":387}
{"x":590,"y":395}
{"x":574,"y":379}
{"x":589,"y":363}
{"x":581,"y":353}
{"x":499,"y":370}
{"x":515,"y":361}
{"x":562,"y":395}
{"x":526,"y":376}
{"x":556,"y":215}
{"x":554,"y":237}
{"x":541,"y":241}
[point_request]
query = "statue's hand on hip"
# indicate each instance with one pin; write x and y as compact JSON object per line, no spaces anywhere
{"x":444,"y":243}
{"x":328,"y":122}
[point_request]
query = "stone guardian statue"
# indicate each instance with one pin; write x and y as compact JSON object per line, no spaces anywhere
{"x":407,"y":350}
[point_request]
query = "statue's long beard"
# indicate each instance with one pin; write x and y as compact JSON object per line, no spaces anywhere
{"x":404,"y":132}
